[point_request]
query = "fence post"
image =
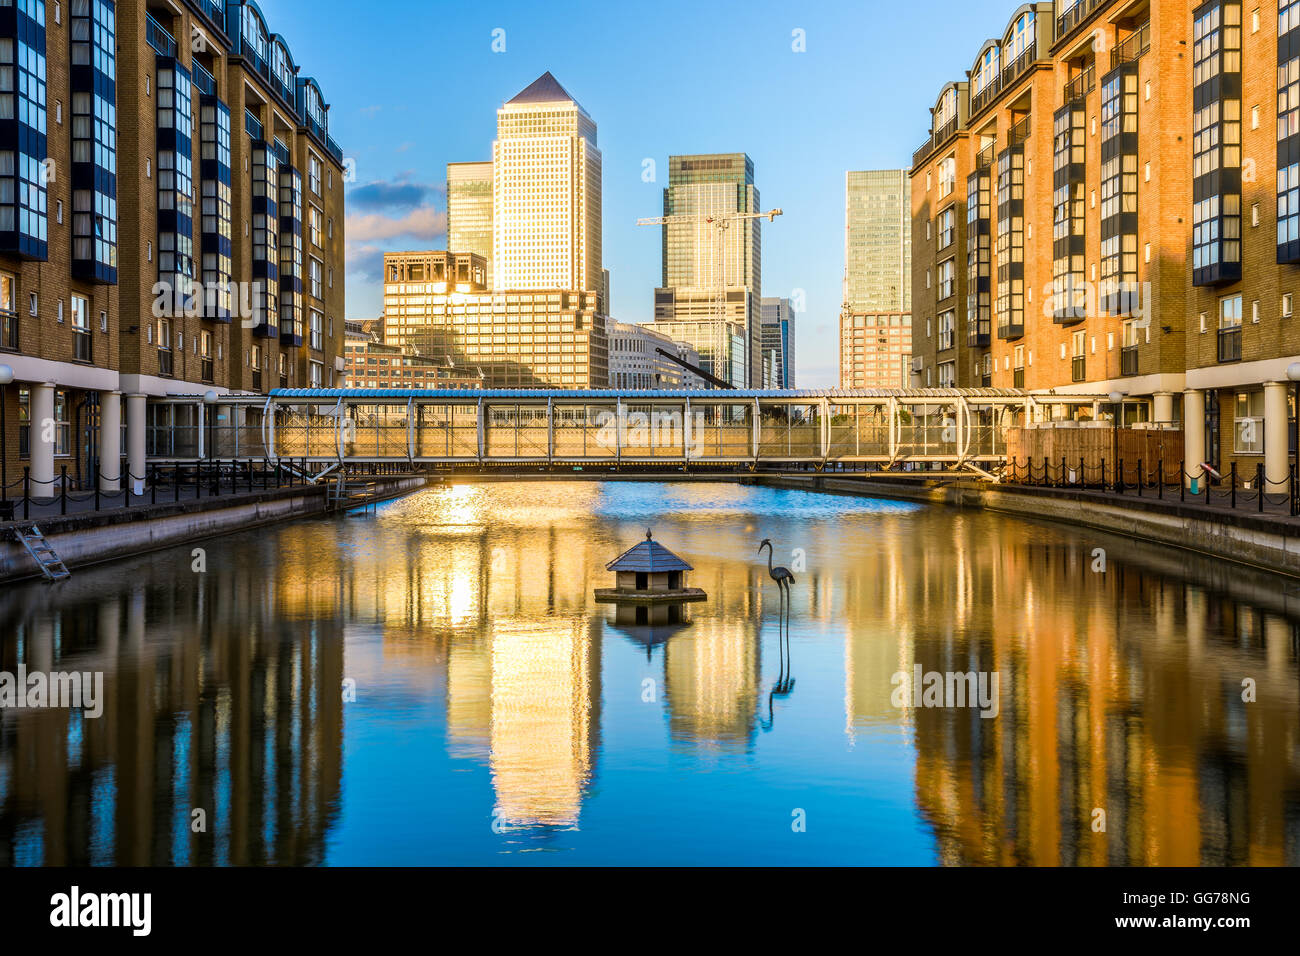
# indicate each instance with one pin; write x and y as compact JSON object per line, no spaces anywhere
{"x":1103,"y":474}
{"x":97,"y":467}
{"x":153,"y":485}
{"x":1260,"y":484}
{"x":1160,"y":478}
{"x":1232,"y":475}
{"x":1205,"y":476}
{"x":1182,"y":479}
{"x":63,"y":489}
{"x":1141,"y":477}
{"x":1119,"y":475}
{"x":27,"y":491}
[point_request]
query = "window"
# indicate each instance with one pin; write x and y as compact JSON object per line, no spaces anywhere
{"x":163,"y":340}
{"x":947,"y":176}
{"x":947,"y":227}
{"x":1230,"y":328}
{"x":315,"y":341}
{"x":1286,"y":305}
{"x":947,"y":278}
{"x":205,"y":356}
{"x":316,"y":280}
{"x":313,"y":173}
{"x":82,"y":340}
{"x":1248,"y":424}
{"x":62,"y":423}
{"x":947,"y":374}
{"x":314,"y":218}
{"x":8,"y":313}
{"x":947,"y":330}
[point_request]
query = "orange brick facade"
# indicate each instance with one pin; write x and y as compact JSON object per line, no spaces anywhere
{"x":1165,"y":352}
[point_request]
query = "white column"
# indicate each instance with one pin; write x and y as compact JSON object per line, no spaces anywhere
{"x":42,"y":440}
{"x":1193,"y":431}
{"x":110,"y":441}
{"x":1163,"y":410}
{"x":1277,"y":453}
{"x":135,"y":444}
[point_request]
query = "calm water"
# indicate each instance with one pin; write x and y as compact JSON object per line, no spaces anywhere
{"x":502,"y":717}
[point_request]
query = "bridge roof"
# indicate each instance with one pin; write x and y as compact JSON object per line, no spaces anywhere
{"x":472,"y":395}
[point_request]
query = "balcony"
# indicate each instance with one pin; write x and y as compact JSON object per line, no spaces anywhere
{"x":1080,"y":86}
{"x":203,"y":80}
{"x":1132,"y":46}
{"x":1011,"y":330}
{"x":923,"y":151}
{"x":1071,"y":18}
{"x":252,"y":126}
{"x":82,"y":346}
{"x":1079,"y":368}
{"x":1230,"y":345}
{"x":1018,"y":133}
{"x":8,"y":330}
{"x":1128,"y":360}
{"x":1013,"y":70}
{"x":984,"y":159}
{"x":945,"y":132}
{"x":977,"y":334}
{"x":1018,"y":377}
{"x":985,"y":96}
{"x":214,"y":10}
{"x":163,"y":43}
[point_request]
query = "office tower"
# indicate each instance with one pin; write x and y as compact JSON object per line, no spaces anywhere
{"x":546,"y":214}
{"x":709,"y":270}
{"x":778,"y":337}
{"x":469,"y":210}
{"x":877,"y":279}
{"x":516,"y":338}
{"x":170,"y":129}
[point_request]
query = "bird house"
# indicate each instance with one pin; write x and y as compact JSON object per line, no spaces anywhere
{"x":649,"y":573}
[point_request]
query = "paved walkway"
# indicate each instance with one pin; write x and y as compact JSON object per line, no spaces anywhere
{"x":1276,"y":505}
{"x":84,"y":502}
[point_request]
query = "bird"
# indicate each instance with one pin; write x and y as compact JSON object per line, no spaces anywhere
{"x":781,"y":576}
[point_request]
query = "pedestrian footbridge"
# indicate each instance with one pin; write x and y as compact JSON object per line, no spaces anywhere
{"x":608,"y":429}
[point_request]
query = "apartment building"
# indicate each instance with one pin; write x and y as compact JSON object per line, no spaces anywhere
{"x":171,"y":222}
{"x":1107,"y":203}
{"x":376,"y":365}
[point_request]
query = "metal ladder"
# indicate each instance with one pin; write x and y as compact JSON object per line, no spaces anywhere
{"x":38,"y":547}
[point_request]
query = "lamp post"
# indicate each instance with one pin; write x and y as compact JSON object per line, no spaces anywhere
{"x":209,"y":399}
{"x":1116,"y":400}
{"x":6,"y":376}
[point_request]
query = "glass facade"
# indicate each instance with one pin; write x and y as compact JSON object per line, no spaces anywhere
{"x":1010,"y":248}
{"x":1119,"y":186}
{"x":878,"y":241}
{"x":291,"y":256}
{"x":1216,"y":143}
{"x":469,"y":210}
{"x":175,"y":180}
{"x":94,"y":140}
{"x":1068,"y":175}
{"x":978,"y":259}
{"x":214,"y":170}
{"x":1288,"y":131}
{"x":266,"y":239}
{"x":24,"y":225}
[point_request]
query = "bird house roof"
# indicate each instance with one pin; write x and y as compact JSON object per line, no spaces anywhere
{"x":649,"y":556}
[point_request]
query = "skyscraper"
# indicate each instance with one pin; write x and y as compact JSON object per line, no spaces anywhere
{"x":469,"y":210}
{"x":704,"y":265}
{"x":877,"y":241}
{"x":876,"y":317}
{"x":546,"y":213}
{"x":778,"y":337}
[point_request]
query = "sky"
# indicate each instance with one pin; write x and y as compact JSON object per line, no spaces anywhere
{"x":418,"y":84}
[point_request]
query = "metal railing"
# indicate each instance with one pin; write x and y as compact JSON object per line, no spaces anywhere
{"x":945,"y":132}
{"x":1132,"y":46}
{"x":922,"y":151}
{"x":203,"y":80}
{"x":1128,"y":360}
{"x":1230,"y":345}
{"x":1201,"y":484}
{"x":156,"y":36}
{"x":986,"y":95}
{"x":1072,"y":17}
{"x":1080,"y":86}
{"x":1013,"y":70}
{"x":252,"y":125}
{"x":9,"y":330}
{"x":1018,"y":133}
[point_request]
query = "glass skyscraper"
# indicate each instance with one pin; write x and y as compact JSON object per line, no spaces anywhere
{"x":878,"y":241}
{"x":469,"y":210}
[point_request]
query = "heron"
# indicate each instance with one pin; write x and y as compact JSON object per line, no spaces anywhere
{"x":781,"y":576}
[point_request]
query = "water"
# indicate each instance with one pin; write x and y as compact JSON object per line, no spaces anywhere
{"x":497,"y":715}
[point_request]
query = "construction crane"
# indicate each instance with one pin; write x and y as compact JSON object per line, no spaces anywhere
{"x":720,"y":221}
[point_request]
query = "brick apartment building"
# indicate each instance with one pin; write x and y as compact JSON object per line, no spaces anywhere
{"x":1107,"y":202}
{"x":171,"y":222}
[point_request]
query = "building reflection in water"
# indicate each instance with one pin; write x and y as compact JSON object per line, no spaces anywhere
{"x":1120,"y":691}
{"x":238,"y":715}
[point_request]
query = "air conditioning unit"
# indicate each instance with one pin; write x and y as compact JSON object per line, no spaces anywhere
{"x":918,"y":363}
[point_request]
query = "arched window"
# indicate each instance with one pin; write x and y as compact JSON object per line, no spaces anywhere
{"x":1020,"y":36}
{"x":946,"y":108}
{"x":986,"y":70}
{"x":281,"y":66}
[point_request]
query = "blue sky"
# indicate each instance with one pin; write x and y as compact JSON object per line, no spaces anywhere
{"x":417,"y":85}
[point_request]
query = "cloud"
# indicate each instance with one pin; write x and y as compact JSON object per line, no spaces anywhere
{"x":400,"y":195}
{"x":426,"y":222}
{"x":370,"y":110}
{"x":405,"y":147}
